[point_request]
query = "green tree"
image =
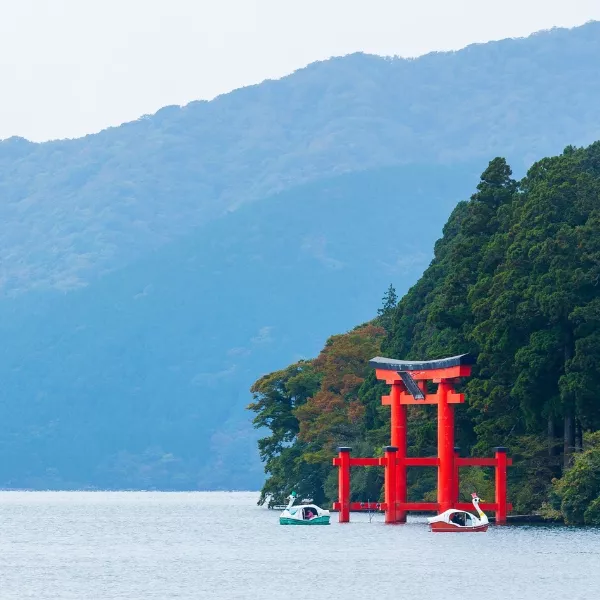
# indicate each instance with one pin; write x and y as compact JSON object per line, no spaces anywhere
{"x":385,"y":312}
{"x":577,"y":494}
{"x":276,"y":397}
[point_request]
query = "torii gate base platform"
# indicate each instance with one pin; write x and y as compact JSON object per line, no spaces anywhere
{"x":408,"y":381}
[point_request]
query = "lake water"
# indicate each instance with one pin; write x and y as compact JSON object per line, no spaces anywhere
{"x":221,"y":546}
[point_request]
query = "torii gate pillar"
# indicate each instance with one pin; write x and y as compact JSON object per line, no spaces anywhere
{"x":446,"y":471}
{"x":398,"y":439}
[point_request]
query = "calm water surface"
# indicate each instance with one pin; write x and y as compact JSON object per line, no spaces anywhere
{"x":221,"y":546}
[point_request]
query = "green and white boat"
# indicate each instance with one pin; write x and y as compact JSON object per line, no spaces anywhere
{"x":303,"y":514}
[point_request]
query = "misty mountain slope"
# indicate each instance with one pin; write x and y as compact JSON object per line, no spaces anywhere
{"x":140,"y":380}
{"x":73,"y":210}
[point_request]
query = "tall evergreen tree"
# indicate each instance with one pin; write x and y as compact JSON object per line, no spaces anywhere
{"x":388,"y":304}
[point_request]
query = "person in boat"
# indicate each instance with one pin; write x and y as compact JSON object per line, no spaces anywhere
{"x":309,"y":514}
{"x":458,"y":518}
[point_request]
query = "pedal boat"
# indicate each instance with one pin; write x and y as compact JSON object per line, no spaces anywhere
{"x":454,"y":520}
{"x":303,"y":514}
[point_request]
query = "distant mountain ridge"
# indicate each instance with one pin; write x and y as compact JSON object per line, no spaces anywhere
{"x":150,"y":273}
{"x":71,"y":210}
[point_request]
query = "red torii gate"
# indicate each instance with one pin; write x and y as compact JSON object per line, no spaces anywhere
{"x":408,"y":381}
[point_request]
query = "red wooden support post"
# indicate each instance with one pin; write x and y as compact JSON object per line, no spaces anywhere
{"x":456,"y":494}
{"x":501,"y":464}
{"x":344,"y":484}
{"x":398,"y":422}
{"x":390,"y":483}
{"x":445,"y":447}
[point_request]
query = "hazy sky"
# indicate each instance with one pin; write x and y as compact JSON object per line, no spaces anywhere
{"x":71,"y":67}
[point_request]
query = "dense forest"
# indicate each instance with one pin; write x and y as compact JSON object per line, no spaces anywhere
{"x":515,"y":281}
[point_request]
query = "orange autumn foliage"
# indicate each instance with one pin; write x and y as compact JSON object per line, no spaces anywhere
{"x":335,"y":414}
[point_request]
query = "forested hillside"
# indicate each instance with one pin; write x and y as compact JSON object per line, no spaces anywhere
{"x":514,"y":281}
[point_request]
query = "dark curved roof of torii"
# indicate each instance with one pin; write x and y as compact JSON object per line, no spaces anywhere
{"x":391,"y":364}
